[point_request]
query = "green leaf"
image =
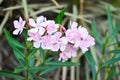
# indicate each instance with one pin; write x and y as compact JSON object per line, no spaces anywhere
{"x":19,"y":69}
{"x":114,"y":34}
{"x":28,"y":43}
{"x":114,"y":51}
{"x":51,"y":68}
{"x":42,"y":54}
{"x":92,"y":63}
{"x":116,"y":74}
{"x":10,"y":75}
{"x":20,"y":56}
{"x":58,"y":63}
{"x":111,"y":61}
{"x":95,"y":33}
{"x":111,"y":72}
{"x":38,"y":68}
{"x":60,"y":16}
{"x":48,"y":60}
{"x":13,"y":43}
{"x":32,"y":52}
{"x":111,"y":26}
{"x":43,"y":78}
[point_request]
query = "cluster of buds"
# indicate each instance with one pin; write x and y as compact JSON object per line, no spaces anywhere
{"x":51,"y":36}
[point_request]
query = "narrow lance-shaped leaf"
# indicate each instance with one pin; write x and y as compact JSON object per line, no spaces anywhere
{"x":10,"y":75}
{"x":114,"y":34}
{"x":20,"y":56}
{"x":19,"y":69}
{"x":13,"y":43}
{"x":95,"y":33}
{"x":51,"y":68}
{"x":58,"y":63}
{"x":111,"y":26}
{"x":111,"y":61}
{"x":92,"y":63}
{"x":60,"y":16}
{"x":42,"y":53}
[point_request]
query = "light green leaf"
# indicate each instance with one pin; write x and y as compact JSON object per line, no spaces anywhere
{"x":111,"y":26}
{"x":114,"y":34}
{"x":95,"y":33}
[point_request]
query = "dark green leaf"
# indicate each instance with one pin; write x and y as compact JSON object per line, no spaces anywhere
{"x":28,"y":44}
{"x":32,"y":52}
{"x":116,"y":74}
{"x":111,"y":72}
{"x":60,"y":16}
{"x":43,"y":78}
{"x":38,"y":68}
{"x":13,"y":43}
{"x":10,"y":75}
{"x":48,"y":60}
{"x":42,"y":53}
{"x":92,"y":63}
{"x":19,"y":69}
{"x":51,"y":68}
{"x":114,"y":51}
{"x":20,"y":56}
{"x":58,"y":63}
{"x":111,"y":61}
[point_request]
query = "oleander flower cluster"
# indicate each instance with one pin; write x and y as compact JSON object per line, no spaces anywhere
{"x":51,"y":36}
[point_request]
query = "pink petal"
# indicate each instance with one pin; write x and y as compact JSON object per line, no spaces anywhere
{"x":64,"y":40}
{"x":16,"y":24}
{"x":55,"y":47}
{"x":62,"y":47}
{"x":74,"y":25}
{"x":41,"y":30}
{"x":32,"y":22}
{"x":16,"y":31}
{"x":20,"y":19}
{"x":40,"y":19}
{"x":34,"y":30}
{"x":77,"y":44}
{"x":36,"y":44}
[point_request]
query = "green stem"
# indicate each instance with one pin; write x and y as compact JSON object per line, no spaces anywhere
{"x":27,"y":68}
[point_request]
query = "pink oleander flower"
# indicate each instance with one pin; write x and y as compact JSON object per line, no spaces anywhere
{"x":36,"y":37}
{"x":38,"y":25}
{"x":51,"y":27}
{"x":19,"y":26}
{"x":86,"y":43}
{"x":54,"y":42}
{"x":58,"y":42}
{"x":69,"y":52}
{"x":46,"y":42}
{"x":72,"y":33}
{"x":79,"y":37}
